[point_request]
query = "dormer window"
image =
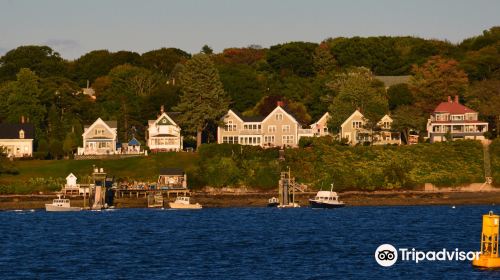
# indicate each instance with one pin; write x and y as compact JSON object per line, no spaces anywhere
{"x":21,"y":134}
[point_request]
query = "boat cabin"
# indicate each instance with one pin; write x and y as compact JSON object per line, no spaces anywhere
{"x":327,"y":196}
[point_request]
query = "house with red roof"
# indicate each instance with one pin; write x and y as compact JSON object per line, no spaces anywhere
{"x":452,"y":119}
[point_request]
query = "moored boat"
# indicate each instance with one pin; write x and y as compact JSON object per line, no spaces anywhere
{"x":326,"y":199}
{"x":60,"y":205}
{"x":183,"y":202}
{"x":273,"y":202}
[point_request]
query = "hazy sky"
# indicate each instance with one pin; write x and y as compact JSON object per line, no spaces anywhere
{"x":76,"y":27}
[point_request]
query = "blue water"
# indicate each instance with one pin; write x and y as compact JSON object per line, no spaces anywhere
{"x":237,"y":243}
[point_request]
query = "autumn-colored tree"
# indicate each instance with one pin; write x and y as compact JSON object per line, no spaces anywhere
{"x":436,"y":79}
{"x":484,"y":96}
{"x":247,"y":56}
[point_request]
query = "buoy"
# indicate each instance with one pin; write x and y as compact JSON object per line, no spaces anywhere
{"x":489,"y":243}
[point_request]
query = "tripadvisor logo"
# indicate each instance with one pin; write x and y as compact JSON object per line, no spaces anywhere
{"x":387,"y":255}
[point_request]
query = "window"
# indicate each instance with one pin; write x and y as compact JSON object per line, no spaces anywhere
{"x":271,"y":128}
{"x":230,"y":126}
{"x":287,"y":139}
{"x":279,"y":117}
{"x":356,"y":124}
{"x":386,"y":125}
{"x":21,"y":134}
{"x":269,"y":139}
{"x":286,"y":128}
{"x":99,"y":131}
{"x":230,"y":139}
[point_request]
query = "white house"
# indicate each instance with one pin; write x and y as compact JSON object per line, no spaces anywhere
{"x":320,"y":128}
{"x":354,"y":131}
{"x":17,"y":139}
{"x":456,"y":121}
{"x":100,"y":138}
{"x":164,"y":134}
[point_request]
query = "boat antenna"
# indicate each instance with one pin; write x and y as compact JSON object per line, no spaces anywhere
{"x":331,"y":188}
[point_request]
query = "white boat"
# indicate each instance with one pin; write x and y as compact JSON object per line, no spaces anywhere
{"x":326,"y":199}
{"x":60,"y":205}
{"x":182,"y":202}
{"x":289,"y":205}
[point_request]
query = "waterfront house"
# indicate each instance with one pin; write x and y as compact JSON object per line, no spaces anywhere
{"x":278,"y":129}
{"x":384,"y":134}
{"x":353,"y":129}
{"x":17,"y":139}
{"x":453,"y":120}
{"x":132,"y":147}
{"x":99,"y":138}
{"x":164,"y":134}
{"x":320,"y":128}
{"x":172,"y":178}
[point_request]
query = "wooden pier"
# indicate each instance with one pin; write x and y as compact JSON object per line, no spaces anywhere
{"x":120,"y":193}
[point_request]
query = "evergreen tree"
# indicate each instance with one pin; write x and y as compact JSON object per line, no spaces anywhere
{"x":323,"y":60}
{"x":203,"y":99}
{"x":70,"y":143}
{"x":23,"y":100}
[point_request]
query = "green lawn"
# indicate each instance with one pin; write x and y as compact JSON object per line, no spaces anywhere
{"x":137,"y":168}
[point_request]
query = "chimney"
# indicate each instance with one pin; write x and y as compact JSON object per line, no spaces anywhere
{"x":449,"y":98}
{"x":22,"y":119}
{"x":456,"y":98}
{"x":162,"y":109}
{"x":280,"y":103}
{"x":88,"y":83}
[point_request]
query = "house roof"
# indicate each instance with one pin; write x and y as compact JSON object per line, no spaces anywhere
{"x":174,"y":116}
{"x":171,"y":171}
{"x":134,"y":142}
{"x":11,"y":131}
{"x":453,"y":107}
{"x":393,"y":80}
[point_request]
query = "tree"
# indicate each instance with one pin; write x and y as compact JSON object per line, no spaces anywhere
{"x":436,"y":79}
{"x":23,"y":100}
{"x":203,"y":98}
{"x":268,"y":103}
{"x":484,"y":96}
{"x":42,"y":60}
{"x":207,"y":50}
{"x":323,"y":60}
{"x":56,"y":149}
{"x":242,"y":84}
{"x":122,"y":99}
{"x":43,"y":148}
{"x":70,"y":143}
{"x":356,"y":90}
{"x":482,"y":64}
{"x":406,"y":118}
{"x":163,"y":60}
{"x":398,"y":95}
{"x":295,"y":58}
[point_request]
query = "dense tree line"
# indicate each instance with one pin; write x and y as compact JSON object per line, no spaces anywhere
{"x":336,"y":75}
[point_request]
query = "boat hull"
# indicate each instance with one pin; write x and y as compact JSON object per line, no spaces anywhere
{"x":322,"y":205}
{"x":54,"y":208}
{"x":174,"y":205}
{"x":273,"y":204}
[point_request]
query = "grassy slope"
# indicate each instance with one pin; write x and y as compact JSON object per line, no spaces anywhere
{"x":139,"y":168}
{"x":495,"y":161}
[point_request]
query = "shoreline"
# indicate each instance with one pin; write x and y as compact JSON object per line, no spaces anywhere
{"x":223,"y":200}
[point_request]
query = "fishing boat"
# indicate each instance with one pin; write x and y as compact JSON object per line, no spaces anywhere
{"x":326,"y":199}
{"x":60,"y":205}
{"x":273,"y":202}
{"x":182,"y":202}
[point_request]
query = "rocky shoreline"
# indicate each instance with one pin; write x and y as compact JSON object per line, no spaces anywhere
{"x":259,"y":199}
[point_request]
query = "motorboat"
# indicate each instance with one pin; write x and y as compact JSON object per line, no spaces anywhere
{"x":326,"y":199}
{"x":183,"y":202}
{"x":60,"y":205}
{"x":273,"y":202}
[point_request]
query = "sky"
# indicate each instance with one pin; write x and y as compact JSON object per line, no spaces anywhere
{"x":75,"y":27}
